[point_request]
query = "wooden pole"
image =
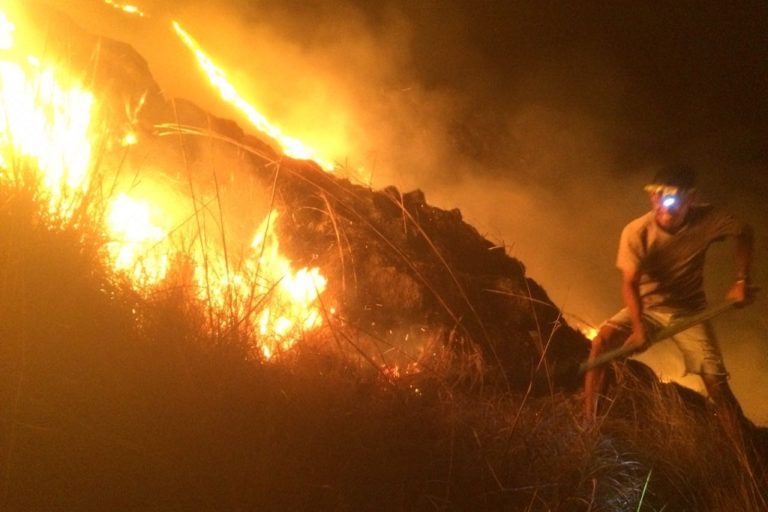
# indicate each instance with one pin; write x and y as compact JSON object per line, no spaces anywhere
{"x":666,"y":332}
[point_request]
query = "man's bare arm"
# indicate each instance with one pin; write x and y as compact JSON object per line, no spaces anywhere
{"x":630,"y":292}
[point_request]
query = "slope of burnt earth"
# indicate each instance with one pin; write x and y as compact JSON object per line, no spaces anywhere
{"x":401,"y":273}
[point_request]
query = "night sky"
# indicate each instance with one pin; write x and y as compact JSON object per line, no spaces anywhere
{"x":541,"y":121}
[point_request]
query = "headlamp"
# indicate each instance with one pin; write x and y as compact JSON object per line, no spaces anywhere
{"x":669,"y":196}
{"x":669,"y":201}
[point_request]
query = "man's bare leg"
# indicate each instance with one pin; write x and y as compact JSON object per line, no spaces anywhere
{"x":608,"y":338}
{"x":727,"y":407}
{"x":730,"y":415}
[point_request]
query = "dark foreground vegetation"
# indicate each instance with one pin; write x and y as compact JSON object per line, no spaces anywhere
{"x":114,"y":401}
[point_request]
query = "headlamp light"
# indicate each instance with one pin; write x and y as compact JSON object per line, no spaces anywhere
{"x":669,"y":201}
{"x":669,"y":196}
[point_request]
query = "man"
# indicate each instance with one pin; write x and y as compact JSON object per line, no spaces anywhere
{"x":661,"y":259}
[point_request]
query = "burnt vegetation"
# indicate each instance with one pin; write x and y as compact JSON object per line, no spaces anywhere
{"x":446,"y":380}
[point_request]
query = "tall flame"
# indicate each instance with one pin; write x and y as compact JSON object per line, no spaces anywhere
{"x":218,"y":78}
{"x":45,"y":120}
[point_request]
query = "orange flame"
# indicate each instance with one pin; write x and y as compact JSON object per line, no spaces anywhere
{"x":136,"y":238}
{"x":218,"y":78}
{"x":142,"y":247}
{"x":49,"y":123}
{"x":266,"y":274}
{"x":42,"y":121}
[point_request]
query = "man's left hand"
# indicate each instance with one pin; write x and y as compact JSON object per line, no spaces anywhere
{"x":740,"y":293}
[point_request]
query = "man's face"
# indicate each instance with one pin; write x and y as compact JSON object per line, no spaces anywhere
{"x":671,"y":207}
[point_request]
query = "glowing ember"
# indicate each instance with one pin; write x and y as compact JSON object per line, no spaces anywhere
{"x":130,"y":139}
{"x":45,"y":127}
{"x":290,"y":146}
{"x":127,"y":8}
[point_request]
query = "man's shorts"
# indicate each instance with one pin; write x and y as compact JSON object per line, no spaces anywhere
{"x":698,"y":344}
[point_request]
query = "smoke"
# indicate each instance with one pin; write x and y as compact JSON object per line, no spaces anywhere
{"x":539,"y":123}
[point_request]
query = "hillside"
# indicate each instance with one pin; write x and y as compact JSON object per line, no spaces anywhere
{"x":357,"y":349}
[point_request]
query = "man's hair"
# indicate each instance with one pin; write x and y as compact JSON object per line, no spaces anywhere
{"x":680,"y":176}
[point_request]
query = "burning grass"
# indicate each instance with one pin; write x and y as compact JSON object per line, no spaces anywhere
{"x":50,"y":125}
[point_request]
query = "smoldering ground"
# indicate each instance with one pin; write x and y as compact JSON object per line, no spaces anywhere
{"x":540,"y":122}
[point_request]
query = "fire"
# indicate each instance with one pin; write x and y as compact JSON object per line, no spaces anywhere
{"x":126,"y":8}
{"x":43,"y":122}
{"x":142,"y":246}
{"x":291,"y":295}
{"x":6,"y":32}
{"x":294,"y":290}
{"x":218,"y":78}
{"x":46,"y":120}
{"x":135,"y":240}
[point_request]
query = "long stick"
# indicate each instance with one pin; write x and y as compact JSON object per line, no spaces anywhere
{"x":661,"y":335}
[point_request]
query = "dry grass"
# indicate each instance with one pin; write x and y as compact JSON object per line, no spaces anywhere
{"x":114,"y":401}
{"x":673,"y":435}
